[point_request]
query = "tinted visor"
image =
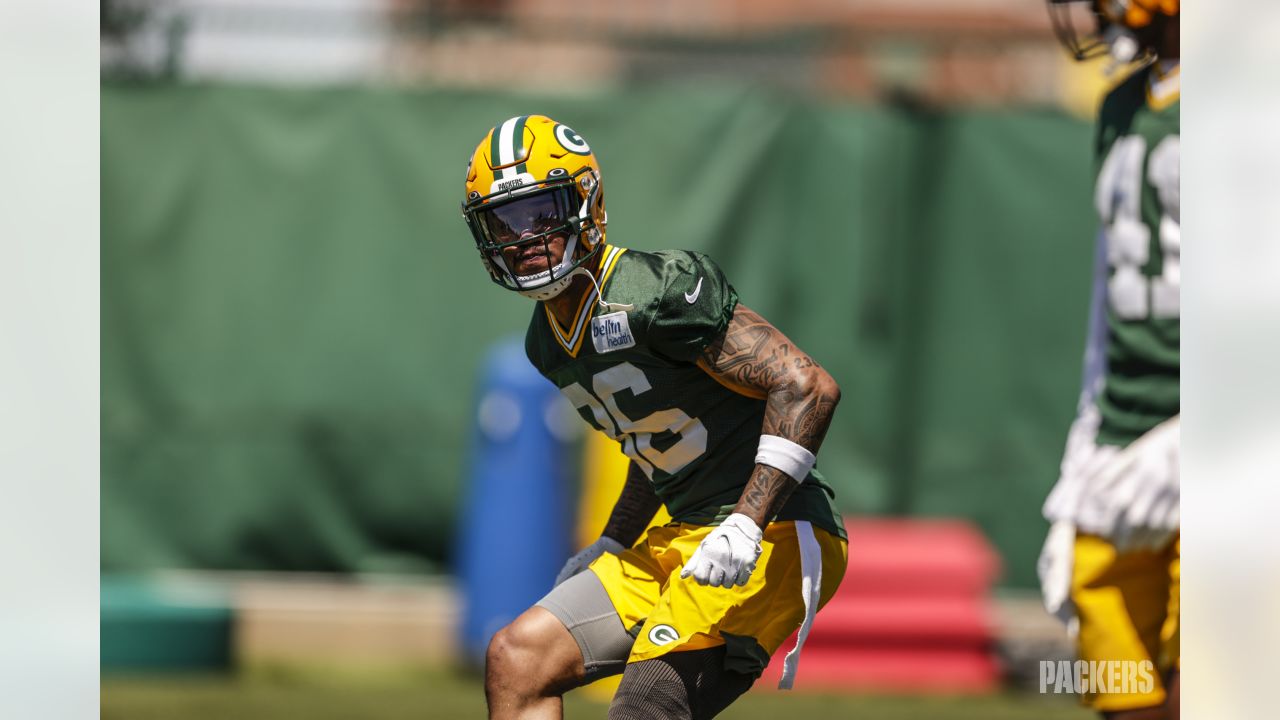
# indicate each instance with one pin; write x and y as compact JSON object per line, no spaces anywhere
{"x":528,"y":217}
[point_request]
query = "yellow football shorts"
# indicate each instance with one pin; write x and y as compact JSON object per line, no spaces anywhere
{"x":667,"y":613}
{"x":1128,"y":609}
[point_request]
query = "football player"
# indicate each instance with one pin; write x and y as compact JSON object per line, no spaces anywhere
{"x":721,"y":416}
{"x":1110,"y":566}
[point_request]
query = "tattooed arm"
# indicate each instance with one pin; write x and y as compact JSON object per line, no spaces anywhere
{"x":754,"y":358}
{"x":634,"y":510}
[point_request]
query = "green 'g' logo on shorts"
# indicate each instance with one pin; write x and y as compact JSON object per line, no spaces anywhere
{"x":663,"y":634}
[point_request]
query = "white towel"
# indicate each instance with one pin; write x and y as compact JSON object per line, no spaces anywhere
{"x":811,"y":587}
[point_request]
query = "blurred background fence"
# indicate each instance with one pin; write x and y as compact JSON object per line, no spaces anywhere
{"x":945,"y":50}
{"x":293,"y":314}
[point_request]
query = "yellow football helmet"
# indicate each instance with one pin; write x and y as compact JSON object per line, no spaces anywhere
{"x":530,"y":180}
{"x":1124,"y":28}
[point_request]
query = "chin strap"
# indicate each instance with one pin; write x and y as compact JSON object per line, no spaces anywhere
{"x":546,"y":292}
{"x":599,"y":293}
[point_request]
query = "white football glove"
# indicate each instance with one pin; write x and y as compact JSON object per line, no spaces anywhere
{"x":1080,"y":461}
{"x":1136,"y":494}
{"x":1054,"y":567}
{"x":579,"y":562}
{"x":1056,"y":562}
{"x":727,"y":555}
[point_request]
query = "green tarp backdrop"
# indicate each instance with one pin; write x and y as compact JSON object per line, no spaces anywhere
{"x":293,"y":311}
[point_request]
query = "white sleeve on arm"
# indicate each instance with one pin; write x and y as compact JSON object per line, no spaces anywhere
{"x":790,"y":457}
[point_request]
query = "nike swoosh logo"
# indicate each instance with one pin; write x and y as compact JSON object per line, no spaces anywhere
{"x":692,"y":297}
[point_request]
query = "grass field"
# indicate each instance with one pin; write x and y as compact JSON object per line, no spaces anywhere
{"x":447,"y":696}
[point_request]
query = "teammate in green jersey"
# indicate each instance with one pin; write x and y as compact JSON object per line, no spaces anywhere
{"x":722,"y":417}
{"x":1110,"y":566}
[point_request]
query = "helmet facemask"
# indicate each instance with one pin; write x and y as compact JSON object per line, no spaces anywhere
{"x":533,"y":218}
{"x":1112,"y":34}
{"x":1066,"y":16}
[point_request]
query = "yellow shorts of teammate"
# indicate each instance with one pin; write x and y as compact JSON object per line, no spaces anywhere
{"x":1127,"y":604}
{"x":667,"y":613}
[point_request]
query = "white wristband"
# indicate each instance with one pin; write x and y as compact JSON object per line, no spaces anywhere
{"x":791,"y":458}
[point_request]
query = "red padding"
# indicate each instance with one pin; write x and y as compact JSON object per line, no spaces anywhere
{"x":911,"y":615}
{"x":948,"y":620}
{"x":889,"y":670}
{"x":918,"y":556}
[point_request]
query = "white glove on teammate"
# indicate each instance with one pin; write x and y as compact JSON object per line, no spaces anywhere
{"x":1136,"y":494}
{"x":1056,"y":563}
{"x":1054,"y":567}
{"x":579,"y":562}
{"x":727,"y":555}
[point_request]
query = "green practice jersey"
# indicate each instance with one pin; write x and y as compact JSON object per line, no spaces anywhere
{"x":631,"y":373}
{"x":1138,"y":201}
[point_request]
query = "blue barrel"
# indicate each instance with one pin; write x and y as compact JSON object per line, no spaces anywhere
{"x":517,"y":528}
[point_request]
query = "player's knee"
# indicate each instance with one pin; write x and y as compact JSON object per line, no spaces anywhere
{"x":525,"y":657}
{"x":509,"y":653}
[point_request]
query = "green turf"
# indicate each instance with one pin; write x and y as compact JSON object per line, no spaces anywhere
{"x":445,"y":696}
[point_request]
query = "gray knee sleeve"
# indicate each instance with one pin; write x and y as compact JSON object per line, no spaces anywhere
{"x":651,"y":690}
{"x":690,"y":685}
{"x":582,"y":604}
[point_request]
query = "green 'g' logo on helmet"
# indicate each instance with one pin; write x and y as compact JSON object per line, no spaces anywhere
{"x":571,"y":140}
